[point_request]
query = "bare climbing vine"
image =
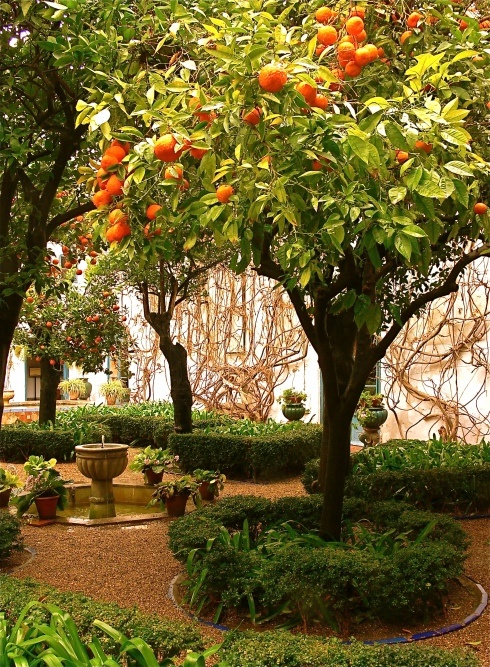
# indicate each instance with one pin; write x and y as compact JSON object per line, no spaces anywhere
{"x":437,"y":371}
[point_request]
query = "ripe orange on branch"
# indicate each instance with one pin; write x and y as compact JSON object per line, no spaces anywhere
{"x":152,"y":210}
{"x":272,"y":78}
{"x":325,"y":15}
{"x":327,"y":35}
{"x":406,"y":35}
{"x":423,"y":146}
{"x":307,"y":90}
{"x":101,"y":198}
{"x":402,"y":156}
{"x":117,"y":232}
{"x":480,"y":208}
{"x":198,"y":153}
{"x":252,"y":117}
{"x":223,"y":193}
{"x":353,"y":69}
{"x":174,"y":172}
{"x":117,"y":151}
{"x":414,"y":19}
{"x":164,"y":148}
{"x":320,"y":101}
{"x":108,"y":161}
{"x":354,"y":25}
{"x":114,"y":186}
{"x":116,"y":216}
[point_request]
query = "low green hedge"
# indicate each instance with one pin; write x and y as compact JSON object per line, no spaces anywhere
{"x":283,"y":649}
{"x":273,"y":453}
{"x":10,"y":535}
{"x":165,"y":637}
{"x":18,"y":443}
{"x":194,"y":529}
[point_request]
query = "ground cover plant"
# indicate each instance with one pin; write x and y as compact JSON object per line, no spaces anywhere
{"x":10,"y":535}
{"x":395,"y":565}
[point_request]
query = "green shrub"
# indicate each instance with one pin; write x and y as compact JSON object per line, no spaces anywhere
{"x":10,"y":536}
{"x":283,"y":649}
{"x":165,"y":637}
{"x":17,"y":443}
{"x":310,"y":476}
{"x":446,"y":489}
{"x":284,"y":452}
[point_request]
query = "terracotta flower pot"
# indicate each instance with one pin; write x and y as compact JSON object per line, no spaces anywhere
{"x":206,"y":493}
{"x":175,"y":505}
{"x":74,"y":395}
{"x":152,"y":477}
{"x":46,"y":506}
{"x":110,"y":400}
{"x":5,"y":497}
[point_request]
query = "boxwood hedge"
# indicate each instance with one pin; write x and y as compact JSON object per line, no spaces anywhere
{"x":10,"y":535}
{"x":166,"y":637}
{"x":283,"y":649}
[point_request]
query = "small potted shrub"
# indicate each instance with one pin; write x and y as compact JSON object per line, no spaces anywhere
{"x":44,"y":486}
{"x":175,"y":494}
{"x":292,"y":404}
{"x":74,"y":387}
{"x":8,"y":481}
{"x":113,"y":391}
{"x":152,"y":463}
{"x":210,"y":483}
{"x":371,"y":412}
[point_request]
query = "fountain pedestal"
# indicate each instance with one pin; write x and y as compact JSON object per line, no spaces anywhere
{"x":101,"y":463}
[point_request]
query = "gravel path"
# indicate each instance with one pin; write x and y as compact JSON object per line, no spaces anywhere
{"x":132,"y":565}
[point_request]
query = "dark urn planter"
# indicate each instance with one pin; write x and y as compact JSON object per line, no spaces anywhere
{"x":293,"y":411}
{"x":175,"y":505}
{"x":377,"y":417}
{"x":5,"y":497}
{"x":152,"y":477}
{"x":46,"y":506}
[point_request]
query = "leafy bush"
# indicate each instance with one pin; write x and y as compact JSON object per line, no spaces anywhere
{"x":419,"y":455}
{"x":310,"y":476}
{"x":164,"y":636}
{"x":283,"y":649}
{"x":286,"y":451}
{"x":10,"y":536}
{"x":447,"y":489}
{"x":17,"y":443}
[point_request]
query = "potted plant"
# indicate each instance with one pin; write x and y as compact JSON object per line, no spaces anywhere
{"x":113,"y":390}
{"x":44,"y":486}
{"x":371,"y":414}
{"x":152,"y":463}
{"x":175,"y":494}
{"x":8,"y":481}
{"x":292,"y":404}
{"x":74,"y":387}
{"x":210,"y":482}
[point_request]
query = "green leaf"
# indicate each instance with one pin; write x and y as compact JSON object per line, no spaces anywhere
{"x":461,"y":192}
{"x":396,"y":137}
{"x":414,"y":230}
{"x":305,"y":276}
{"x":457,"y":167}
{"x":397,"y":194}
{"x":403,"y":245}
{"x":360,"y":147}
{"x":456,"y":136}
{"x":138,"y":175}
{"x":373,"y":318}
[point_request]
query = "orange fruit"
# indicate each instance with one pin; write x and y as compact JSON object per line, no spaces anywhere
{"x":488,"y":105}
{"x":346,"y":51}
{"x":223,"y":193}
{"x":49,"y":325}
{"x":413,"y":19}
{"x":175,"y":172}
{"x":67,"y":265}
{"x":463,"y":25}
{"x":321,"y":101}
{"x":320,"y":49}
{"x":117,"y":151}
{"x":372,"y":51}
{"x":272,"y":78}
{"x":114,"y":186}
{"x":484,"y":25}
{"x":108,"y":161}
{"x":358,"y":11}
{"x":117,"y":216}
{"x":307,"y":90}
{"x":152,"y":210}
{"x":117,"y":232}
{"x":327,"y":35}
{"x":101,"y":198}
{"x":405,"y":36}
{"x":423,"y":146}
{"x":164,"y":148}
{"x":480,"y":208}
{"x":381,"y":52}
{"x":79,"y":272}
{"x":353,"y":69}
{"x":354,"y":25}
{"x":349,"y":39}
{"x":252,"y":117}
{"x":402,"y":156}
{"x":362,"y":36}
{"x":431,"y":19}
{"x":362,"y":56}
{"x":125,"y":146}
{"x":184,"y":185}
{"x":206,"y":116}
{"x":325,"y":15}
{"x":52,"y":362}
{"x":198,"y":153}
{"x":340,"y":75}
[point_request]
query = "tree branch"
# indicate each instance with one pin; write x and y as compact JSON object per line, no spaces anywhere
{"x":59,"y":219}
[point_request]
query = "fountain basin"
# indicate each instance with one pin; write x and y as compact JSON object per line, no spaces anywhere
{"x":102,"y":462}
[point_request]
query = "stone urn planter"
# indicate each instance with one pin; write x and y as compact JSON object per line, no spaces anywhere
{"x":101,"y":463}
{"x":8,"y":395}
{"x":293,"y":411}
{"x":371,"y":424}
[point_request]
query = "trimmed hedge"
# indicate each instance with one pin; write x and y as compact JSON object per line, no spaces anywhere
{"x":18,"y":443}
{"x":273,"y":453}
{"x":283,"y":649}
{"x":10,"y":535}
{"x":194,"y":529}
{"x":164,"y":636}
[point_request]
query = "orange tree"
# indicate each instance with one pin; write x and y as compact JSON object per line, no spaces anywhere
{"x":341,"y":149}
{"x":70,"y":323}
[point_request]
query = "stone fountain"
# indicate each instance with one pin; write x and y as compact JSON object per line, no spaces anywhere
{"x":101,"y":463}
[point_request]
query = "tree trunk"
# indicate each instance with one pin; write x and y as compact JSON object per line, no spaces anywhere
{"x":10,"y":311}
{"x":180,"y":386}
{"x":50,"y":379}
